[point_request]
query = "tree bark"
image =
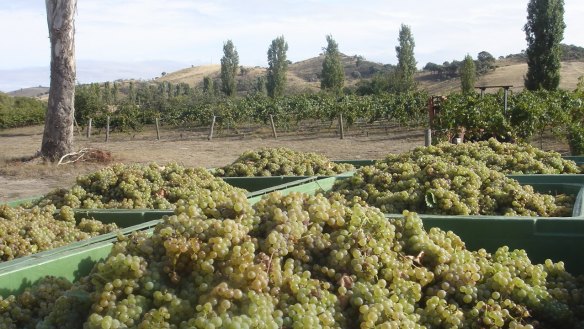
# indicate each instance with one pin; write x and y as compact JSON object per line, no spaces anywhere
{"x":58,"y":132}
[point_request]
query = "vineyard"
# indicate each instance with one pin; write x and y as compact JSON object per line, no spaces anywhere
{"x":527,"y":114}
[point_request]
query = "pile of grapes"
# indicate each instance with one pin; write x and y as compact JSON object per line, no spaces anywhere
{"x":431,"y":184}
{"x":301,"y":261}
{"x":506,"y":158}
{"x":282,"y":162}
{"x":28,"y":231}
{"x":136,"y":186}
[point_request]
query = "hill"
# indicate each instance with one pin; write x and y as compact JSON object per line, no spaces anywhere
{"x":38,"y":92}
{"x":305,"y":75}
{"x":507,"y":72}
{"x":302,"y":76}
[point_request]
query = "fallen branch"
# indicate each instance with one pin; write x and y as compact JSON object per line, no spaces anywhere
{"x":78,"y":156}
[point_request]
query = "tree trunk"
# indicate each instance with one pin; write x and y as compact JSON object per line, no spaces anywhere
{"x":58,"y":133}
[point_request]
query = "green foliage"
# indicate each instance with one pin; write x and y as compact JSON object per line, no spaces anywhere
{"x":467,"y":75}
{"x":229,"y":67}
{"x":406,"y":62}
{"x":277,"y":67}
{"x":528,"y":114}
{"x":576,"y":139}
{"x":260,"y":85}
{"x":544,"y":31}
{"x":208,"y":85}
{"x":332,"y":75}
{"x":572,"y":52}
{"x":21,"y":111}
{"x":485,"y":62}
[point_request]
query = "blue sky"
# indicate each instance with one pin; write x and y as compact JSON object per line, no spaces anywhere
{"x":141,"y":38}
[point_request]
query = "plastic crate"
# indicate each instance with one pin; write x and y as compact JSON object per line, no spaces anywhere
{"x":253,"y":184}
{"x":71,"y":262}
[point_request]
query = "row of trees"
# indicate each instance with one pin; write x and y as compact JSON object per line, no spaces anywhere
{"x":332,"y":77}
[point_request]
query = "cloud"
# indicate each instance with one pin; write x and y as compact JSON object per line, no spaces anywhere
{"x":194,"y":31}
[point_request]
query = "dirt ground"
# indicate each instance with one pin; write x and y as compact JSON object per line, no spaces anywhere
{"x":190,"y":148}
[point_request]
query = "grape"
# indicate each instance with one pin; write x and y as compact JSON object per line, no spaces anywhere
{"x":282,"y":161}
{"x":300,"y":261}
{"x":507,"y":158}
{"x":28,"y":231}
{"x":135,"y":186}
{"x":450,"y":181}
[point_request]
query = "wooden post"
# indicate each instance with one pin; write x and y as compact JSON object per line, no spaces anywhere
{"x":89,"y":128}
{"x":428,"y":137}
{"x":273,"y":126}
{"x":107,"y":126}
{"x":157,"y":130}
{"x":341,"y":126}
{"x":506,"y":94}
{"x":211,"y":130}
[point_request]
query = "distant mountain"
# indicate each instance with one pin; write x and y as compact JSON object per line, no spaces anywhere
{"x":38,"y":92}
{"x":88,"y":72}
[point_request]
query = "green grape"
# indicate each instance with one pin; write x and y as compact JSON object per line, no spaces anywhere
{"x":282,"y":162}
{"x":301,"y":261}
{"x":452,"y":180}
{"x":28,"y":231}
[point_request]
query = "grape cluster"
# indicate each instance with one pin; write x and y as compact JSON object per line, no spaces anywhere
{"x":135,"y":186}
{"x":282,"y":162}
{"x":433,"y":184}
{"x":28,"y":231}
{"x":300,"y":261}
{"x":506,"y":158}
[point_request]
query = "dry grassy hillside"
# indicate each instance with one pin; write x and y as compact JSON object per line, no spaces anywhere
{"x":302,"y":75}
{"x":506,"y":73}
{"x":305,"y":76}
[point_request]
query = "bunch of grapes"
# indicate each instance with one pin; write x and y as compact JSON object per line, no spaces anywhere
{"x":135,"y":186}
{"x":301,"y":261}
{"x":506,"y":158}
{"x":282,"y":162}
{"x":28,"y":231}
{"x":431,"y":184}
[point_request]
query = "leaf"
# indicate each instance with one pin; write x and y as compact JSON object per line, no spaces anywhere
{"x":430,"y":199}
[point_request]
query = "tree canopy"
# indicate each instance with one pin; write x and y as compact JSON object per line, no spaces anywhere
{"x":333,"y":74}
{"x":229,"y":67}
{"x":277,"y":67}
{"x":544,"y":32}
{"x":406,"y":61}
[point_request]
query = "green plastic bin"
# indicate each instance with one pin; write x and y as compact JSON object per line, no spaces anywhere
{"x":71,"y":262}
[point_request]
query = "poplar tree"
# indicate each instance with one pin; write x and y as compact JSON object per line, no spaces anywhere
{"x":544,"y":32}
{"x":467,"y":75}
{"x":406,"y":62}
{"x":333,"y":74}
{"x":229,"y":67}
{"x":277,"y":67}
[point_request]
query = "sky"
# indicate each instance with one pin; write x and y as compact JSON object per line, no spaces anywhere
{"x":120,"y":39}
